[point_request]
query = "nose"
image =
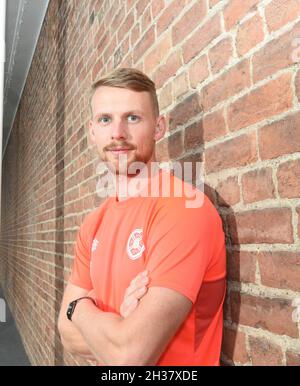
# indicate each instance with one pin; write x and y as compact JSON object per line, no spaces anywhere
{"x":118,"y":130}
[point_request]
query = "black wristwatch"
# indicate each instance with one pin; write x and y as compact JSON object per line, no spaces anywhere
{"x":72,"y":306}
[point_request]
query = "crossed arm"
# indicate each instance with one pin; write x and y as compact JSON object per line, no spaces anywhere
{"x":138,"y":339}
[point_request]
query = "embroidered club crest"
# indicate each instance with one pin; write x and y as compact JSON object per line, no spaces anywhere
{"x":135,"y":245}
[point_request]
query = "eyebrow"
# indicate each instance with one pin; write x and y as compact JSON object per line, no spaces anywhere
{"x":138,"y":112}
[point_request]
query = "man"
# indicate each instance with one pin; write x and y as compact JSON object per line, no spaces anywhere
{"x":129,"y":239}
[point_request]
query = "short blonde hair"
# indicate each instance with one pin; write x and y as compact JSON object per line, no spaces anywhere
{"x":129,"y":78}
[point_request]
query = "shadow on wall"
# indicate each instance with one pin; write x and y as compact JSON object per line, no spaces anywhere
{"x":230,"y":344}
{"x":192,"y":151}
{"x":231,"y":304}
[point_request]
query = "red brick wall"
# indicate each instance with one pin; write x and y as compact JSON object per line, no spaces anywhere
{"x":228,"y":79}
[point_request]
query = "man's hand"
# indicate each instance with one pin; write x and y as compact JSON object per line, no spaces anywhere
{"x":136,"y":290}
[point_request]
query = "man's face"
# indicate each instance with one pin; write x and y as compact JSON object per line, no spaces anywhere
{"x":124,"y":125}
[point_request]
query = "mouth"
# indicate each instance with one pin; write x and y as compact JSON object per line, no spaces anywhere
{"x":120,"y":150}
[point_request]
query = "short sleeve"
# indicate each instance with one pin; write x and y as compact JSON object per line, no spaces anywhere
{"x":80,"y":274}
{"x":180,"y":246}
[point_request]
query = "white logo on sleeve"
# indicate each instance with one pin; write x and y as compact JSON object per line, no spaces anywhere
{"x":94,"y":245}
{"x":135,"y":245}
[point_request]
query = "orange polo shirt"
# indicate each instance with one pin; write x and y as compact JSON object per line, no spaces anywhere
{"x":183,"y":249}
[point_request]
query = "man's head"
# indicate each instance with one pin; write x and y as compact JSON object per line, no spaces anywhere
{"x":125,"y":115}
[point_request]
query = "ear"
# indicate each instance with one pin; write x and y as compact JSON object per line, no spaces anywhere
{"x":161,"y":127}
{"x":92,"y":132}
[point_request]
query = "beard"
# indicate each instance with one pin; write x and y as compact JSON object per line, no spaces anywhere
{"x":129,"y":164}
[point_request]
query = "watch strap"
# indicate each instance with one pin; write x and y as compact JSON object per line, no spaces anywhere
{"x":73,"y":304}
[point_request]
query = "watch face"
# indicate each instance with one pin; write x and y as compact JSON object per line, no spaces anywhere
{"x":70,"y":310}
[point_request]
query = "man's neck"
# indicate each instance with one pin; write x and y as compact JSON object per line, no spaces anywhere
{"x":132,"y":186}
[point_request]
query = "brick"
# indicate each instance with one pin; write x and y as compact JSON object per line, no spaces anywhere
{"x":189,"y":21}
{"x":258,"y":185}
{"x":280,"y":53}
{"x":169,"y":14}
{"x":288,"y":176}
{"x":298,"y":212}
{"x":220,"y":55}
{"x":227,"y":85}
{"x":232,"y":153}
{"x":156,"y":55}
{"x":280,"y":12}
{"x":141,"y":6}
{"x":113,"y":9}
{"x":212,"y":3}
{"x":249,"y":34}
{"x":130,"y":4}
{"x":273,"y":315}
{"x":120,"y":52}
{"x":168,"y":69}
{"x":134,"y":34}
{"x":214,"y":125}
{"x":156,"y":7}
{"x":165,"y":97}
{"x":118,"y":18}
{"x":96,"y":69}
{"x":234,"y":345}
{"x":271,"y":225}
{"x":184,"y":111}
{"x":264,"y":352}
{"x":180,"y":85}
{"x":271,"y":99}
{"x":144,"y":43}
{"x":146,"y":19}
{"x":228,"y":192}
{"x":99,"y":35}
{"x":127,"y":61}
{"x":280,"y":269}
{"x":175,"y":145}
{"x":236,"y":10}
{"x":192,"y":157}
{"x":198,"y":71}
{"x":193,"y":135}
{"x":241,"y":266}
{"x":126,"y":25}
{"x":297,"y":83}
{"x":107,"y":53}
{"x":201,"y":38}
{"x":292,"y":358}
{"x":162,"y":152}
{"x":279,"y":138}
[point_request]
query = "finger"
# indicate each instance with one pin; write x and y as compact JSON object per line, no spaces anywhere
{"x":131,"y":308}
{"x":135,"y":296}
{"x":138,"y":294}
{"x":139,"y":281}
{"x":138,"y":285}
{"x":140,"y":276}
{"x":128,"y":307}
{"x":132,"y":301}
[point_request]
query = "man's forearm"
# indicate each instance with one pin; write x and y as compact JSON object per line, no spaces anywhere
{"x":75,"y":344}
{"x":101,"y":331}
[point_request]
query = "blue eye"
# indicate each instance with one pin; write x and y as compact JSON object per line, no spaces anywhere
{"x":135,"y":118}
{"x":103,"y":119}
